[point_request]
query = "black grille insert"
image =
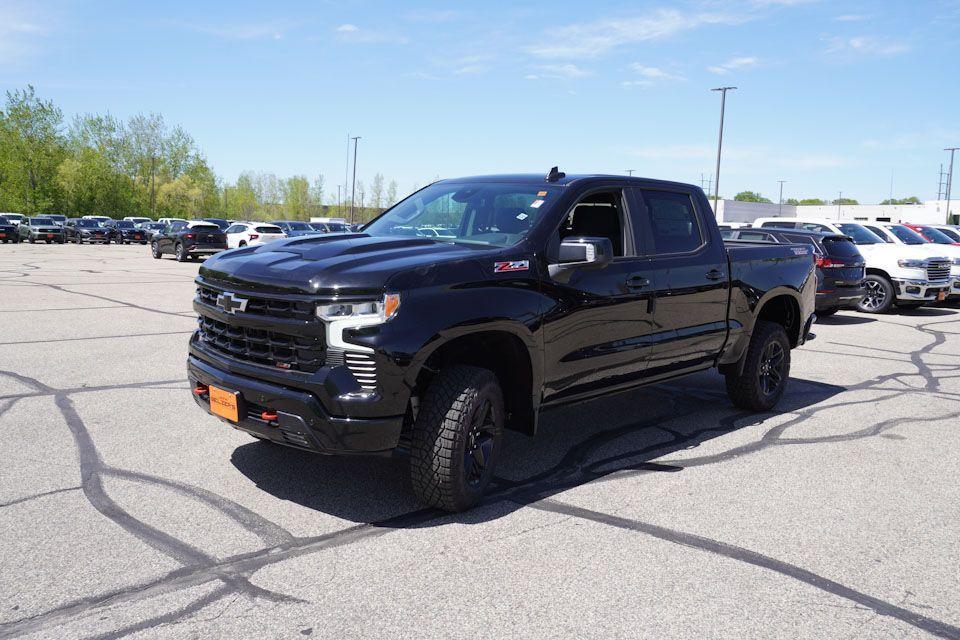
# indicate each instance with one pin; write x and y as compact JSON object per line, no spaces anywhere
{"x":275,"y":308}
{"x":269,"y":348}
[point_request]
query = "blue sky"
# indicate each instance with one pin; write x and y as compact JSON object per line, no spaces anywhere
{"x":833,"y":95}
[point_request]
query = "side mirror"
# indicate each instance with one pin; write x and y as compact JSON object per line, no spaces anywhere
{"x":583,"y":253}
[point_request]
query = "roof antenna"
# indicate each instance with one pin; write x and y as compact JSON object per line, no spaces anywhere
{"x":555,"y":174}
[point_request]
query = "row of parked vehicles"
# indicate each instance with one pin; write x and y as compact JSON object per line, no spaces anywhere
{"x":869,"y":266}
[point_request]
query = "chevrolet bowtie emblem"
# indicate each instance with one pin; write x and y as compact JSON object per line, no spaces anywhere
{"x":231,"y":303}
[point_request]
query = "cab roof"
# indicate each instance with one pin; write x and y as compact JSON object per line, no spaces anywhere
{"x":566,"y":180}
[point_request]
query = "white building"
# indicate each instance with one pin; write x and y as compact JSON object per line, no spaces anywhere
{"x":929,"y":212}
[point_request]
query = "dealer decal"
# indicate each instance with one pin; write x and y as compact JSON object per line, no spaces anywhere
{"x":799,"y":251}
{"x":509,"y":267}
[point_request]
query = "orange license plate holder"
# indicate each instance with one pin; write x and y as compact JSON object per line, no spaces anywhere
{"x":225,"y":404}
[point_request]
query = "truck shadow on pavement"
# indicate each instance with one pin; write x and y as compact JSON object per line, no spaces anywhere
{"x":593,"y":441}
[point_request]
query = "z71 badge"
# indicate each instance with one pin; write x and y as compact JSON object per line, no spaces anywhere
{"x":508,"y":267}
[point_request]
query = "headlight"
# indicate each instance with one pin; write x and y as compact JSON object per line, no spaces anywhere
{"x":911,"y":263}
{"x":956,"y":262}
{"x":365,"y":312}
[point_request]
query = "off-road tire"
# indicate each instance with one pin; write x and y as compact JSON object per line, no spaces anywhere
{"x":746,"y":390}
{"x":155,"y":250}
{"x":889,"y":295}
{"x":442,"y":433}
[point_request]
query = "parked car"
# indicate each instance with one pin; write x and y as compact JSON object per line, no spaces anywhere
{"x":100,"y":219}
{"x":56,"y":217}
{"x":244,"y":234}
{"x":8,"y":230}
{"x":15,"y":218}
{"x":84,"y":230}
{"x":907,"y":235}
{"x":41,"y":229}
{"x":138,"y":219}
{"x":901,"y":275}
{"x":933,"y":234}
{"x":840,"y":267}
{"x":186,"y":240}
{"x":151,"y":229}
{"x":950,"y":231}
{"x":295,"y":228}
{"x":220,"y":222}
{"x":166,"y":221}
{"x":126,"y":232}
{"x":552,"y":291}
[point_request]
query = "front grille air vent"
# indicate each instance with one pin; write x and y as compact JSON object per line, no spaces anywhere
{"x":364,"y":369}
{"x":938,"y":271}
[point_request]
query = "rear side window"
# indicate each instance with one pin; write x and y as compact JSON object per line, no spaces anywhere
{"x":205,"y":227}
{"x":813,"y":226}
{"x":756,"y":236}
{"x":840,"y":247}
{"x":269,"y":230}
{"x":878,"y":232}
{"x":673,"y":222}
{"x":801,"y":239}
{"x":778,"y":224}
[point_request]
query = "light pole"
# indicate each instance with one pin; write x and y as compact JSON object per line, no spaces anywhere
{"x":839,"y":204}
{"x":952,"y":150}
{"x":780,"y":210}
{"x":716,"y":183}
{"x":629,"y":172}
{"x":353,"y":189}
{"x":339,"y":208}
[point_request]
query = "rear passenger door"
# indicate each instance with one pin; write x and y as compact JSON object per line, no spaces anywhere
{"x":689,"y":263}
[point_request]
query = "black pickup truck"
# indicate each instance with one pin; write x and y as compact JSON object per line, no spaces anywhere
{"x":547,"y":290}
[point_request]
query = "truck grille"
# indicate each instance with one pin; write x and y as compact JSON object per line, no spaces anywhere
{"x":938,"y":270}
{"x":259,"y":346}
{"x":289,"y":309}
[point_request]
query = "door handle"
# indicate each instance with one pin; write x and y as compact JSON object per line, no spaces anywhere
{"x":714,"y":274}
{"x":637,"y":282}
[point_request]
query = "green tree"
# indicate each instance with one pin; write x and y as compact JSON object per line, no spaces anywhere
{"x":91,"y":185}
{"x":910,"y":200}
{"x":844,"y":201}
{"x":750,"y":196}
{"x":812,"y":202}
{"x":30,"y":133}
{"x":392,"y":193}
{"x":297,"y":201}
{"x":376,"y":193}
{"x":792,"y":201}
{"x":180,"y":197}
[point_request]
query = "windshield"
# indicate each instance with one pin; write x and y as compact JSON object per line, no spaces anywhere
{"x":4,"y":220}
{"x":485,"y":213}
{"x":337,"y":227}
{"x":204,"y":227}
{"x":318,"y":226}
{"x":125,"y":224}
{"x":300,"y":226}
{"x":268,"y":230}
{"x":951,"y":233}
{"x":859,"y":233}
{"x":37,"y":222}
{"x":87,"y":223}
{"x":221,"y":224}
{"x":935,"y":235}
{"x":906,"y":235}
{"x":840,"y":247}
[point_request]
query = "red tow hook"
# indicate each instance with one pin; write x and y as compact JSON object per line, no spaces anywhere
{"x":269,"y":416}
{"x":201,"y":389}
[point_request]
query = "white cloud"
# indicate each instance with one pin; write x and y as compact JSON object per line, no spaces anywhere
{"x":561,"y":71}
{"x":629,"y":84}
{"x":348,"y":28}
{"x":20,"y":29}
{"x":349,"y":32}
{"x":597,"y":38}
{"x":471,"y":70}
{"x":654,"y":73}
{"x":733,"y":64}
{"x":865,"y":45}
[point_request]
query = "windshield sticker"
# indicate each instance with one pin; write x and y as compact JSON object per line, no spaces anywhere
{"x":522,"y":216}
{"x":536,"y":204}
{"x":508,"y":267}
{"x":541,"y":194}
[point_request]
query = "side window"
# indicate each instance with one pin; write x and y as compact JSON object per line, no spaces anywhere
{"x":597,"y":215}
{"x":777,"y":224}
{"x":673,"y":222}
{"x":813,"y":226}
{"x":878,"y":232}
{"x":234,"y":228}
{"x":757,"y":236}
{"x":796,"y":239}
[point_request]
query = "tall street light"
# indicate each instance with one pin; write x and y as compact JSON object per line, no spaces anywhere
{"x":630,"y":172}
{"x":780,"y":211}
{"x":952,"y":150}
{"x":716,"y":184}
{"x":353,"y":189}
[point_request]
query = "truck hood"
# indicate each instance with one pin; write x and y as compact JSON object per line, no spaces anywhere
{"x":335,"y":263}
{"x":889,"y":251}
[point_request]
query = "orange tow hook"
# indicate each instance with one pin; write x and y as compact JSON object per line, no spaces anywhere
{"x":269,"y":416}
{"x":201,"y":389}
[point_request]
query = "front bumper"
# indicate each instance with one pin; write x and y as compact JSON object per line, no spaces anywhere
{"x":920,"y":290}
{"x":954,"y":289}
{"x":840,"y":298}
{"x":301,"y":420}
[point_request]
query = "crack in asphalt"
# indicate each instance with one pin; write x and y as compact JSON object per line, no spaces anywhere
{"x":573,"y":469}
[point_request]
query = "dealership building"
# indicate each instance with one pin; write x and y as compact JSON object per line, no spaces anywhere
{"x":929,"y":212}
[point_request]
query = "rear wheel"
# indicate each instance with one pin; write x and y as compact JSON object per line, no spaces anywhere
{"x":243,"y":243}
{"x":765,"y":369}
{"x":456,"y":438}
{"x":879,"y":296}
{"x":155,"y":250}
{"x":180,"y":253}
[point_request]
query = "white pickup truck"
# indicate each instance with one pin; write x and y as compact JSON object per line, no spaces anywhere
{"x":904,"y":235}
{"x":897,"y":274}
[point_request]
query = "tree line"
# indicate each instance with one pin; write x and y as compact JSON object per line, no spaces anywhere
{"x":99,"y":164}
{"x":753,"y":196}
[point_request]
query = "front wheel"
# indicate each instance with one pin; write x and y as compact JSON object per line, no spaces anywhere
{"x":765,"y":369}
{"x":456,"y":438}
{"x":879,"y":296}
{"x":155,"y":250}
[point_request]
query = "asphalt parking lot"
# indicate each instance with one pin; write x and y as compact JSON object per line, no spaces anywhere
{"x":126,"y":511}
